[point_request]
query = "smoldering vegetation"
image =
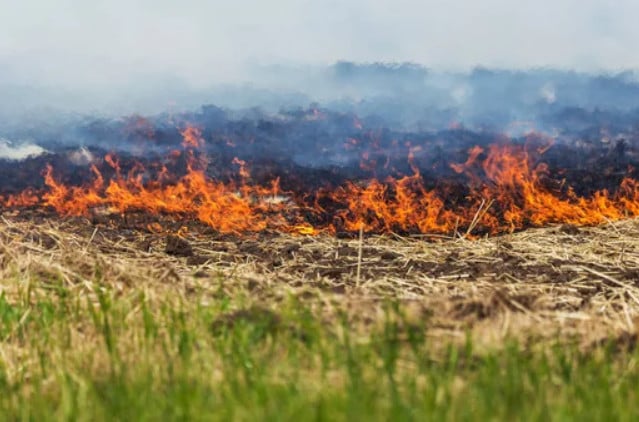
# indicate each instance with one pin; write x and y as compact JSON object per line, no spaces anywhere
{"x":402,"y":96}
{"x":333,"y":119}
{"x":351,"y":130}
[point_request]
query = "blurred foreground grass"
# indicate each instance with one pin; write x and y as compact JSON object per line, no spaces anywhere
{"x":140,"y":355}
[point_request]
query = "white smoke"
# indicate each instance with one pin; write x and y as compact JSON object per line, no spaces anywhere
{"x":81,"y":157}
{"x":20,"y":151}
{"x":461,"y":93}
{"x":548,"y":93}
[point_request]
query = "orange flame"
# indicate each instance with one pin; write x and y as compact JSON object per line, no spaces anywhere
{"x":508,"y":191}
{"x":192,"y":137}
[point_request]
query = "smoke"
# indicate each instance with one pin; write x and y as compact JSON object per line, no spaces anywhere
{"x":201,"y":41}
{"x":549,"y":93}
{"x":61,"y":62}
{"x":19,"y":151}
{"x":400,"y":97}
{"x":119,"y":44}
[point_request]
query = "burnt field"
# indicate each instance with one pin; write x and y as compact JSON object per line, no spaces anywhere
{"x":311,"y":264}
{"x":478,"y":233}
{"x":475,"y":230}
{"x":234,"y":211}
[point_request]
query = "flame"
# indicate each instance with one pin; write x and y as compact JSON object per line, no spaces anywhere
{"x":507,"y":189}
{"x":192,"y":137}
{"x":229,"y":208}
{"x":504,"y":179}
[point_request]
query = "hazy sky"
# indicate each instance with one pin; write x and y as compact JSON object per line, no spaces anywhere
{"x":98,"y":42}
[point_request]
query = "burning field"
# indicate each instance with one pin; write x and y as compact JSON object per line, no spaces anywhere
{"x":468,"y":225}
{"x":319,"y":211}
{"x":224,"y":246}
{"x":314,"y":172}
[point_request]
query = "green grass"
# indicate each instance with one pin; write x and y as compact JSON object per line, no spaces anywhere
{"x":136,"y":356}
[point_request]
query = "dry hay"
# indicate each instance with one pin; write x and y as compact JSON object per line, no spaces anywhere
{"x":580,"y":283}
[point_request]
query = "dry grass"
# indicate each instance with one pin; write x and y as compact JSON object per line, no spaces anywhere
{"x":579,"y":283}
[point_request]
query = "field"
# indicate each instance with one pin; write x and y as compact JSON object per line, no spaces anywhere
{"x":123,"y":319}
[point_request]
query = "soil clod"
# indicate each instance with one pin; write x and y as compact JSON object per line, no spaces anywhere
{"x":177,"y":246}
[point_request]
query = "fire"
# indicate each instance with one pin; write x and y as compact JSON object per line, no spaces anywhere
{"x":507,"y":189}
{"x":192,"y":137}
{"x":229,"y":208}
{"x":226,"y":207}
{"x":506,"y":194}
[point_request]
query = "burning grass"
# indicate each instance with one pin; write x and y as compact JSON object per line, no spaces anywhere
{"x":108,"y":319}
{"x":501,"y":187}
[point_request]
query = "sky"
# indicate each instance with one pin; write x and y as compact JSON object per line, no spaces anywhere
{"x":71,"y":42}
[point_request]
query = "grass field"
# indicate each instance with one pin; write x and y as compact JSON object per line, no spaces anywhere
{"x":106,"y":325}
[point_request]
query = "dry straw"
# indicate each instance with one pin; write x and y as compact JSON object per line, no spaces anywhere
{"x":580,"y":282}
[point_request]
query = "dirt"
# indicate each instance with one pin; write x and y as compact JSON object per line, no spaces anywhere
{"x":177,"y":246}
